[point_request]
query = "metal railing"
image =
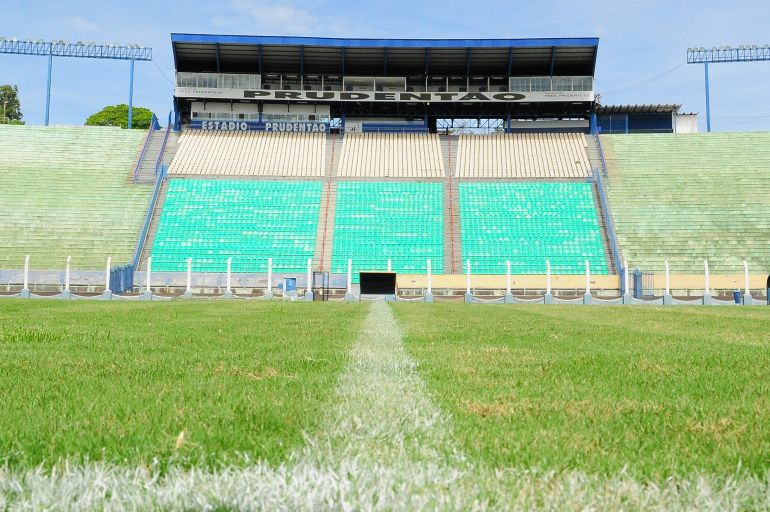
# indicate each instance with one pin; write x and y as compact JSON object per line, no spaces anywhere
{"x":146,"y":146}
{"x":160,"y":177}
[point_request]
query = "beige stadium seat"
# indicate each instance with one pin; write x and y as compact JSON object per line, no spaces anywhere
{"x":523,"y":155}
{"x":215,"y":153}
{"x":377,"y":155}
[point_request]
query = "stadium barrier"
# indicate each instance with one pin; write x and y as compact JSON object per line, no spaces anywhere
{"x":117,"y":284}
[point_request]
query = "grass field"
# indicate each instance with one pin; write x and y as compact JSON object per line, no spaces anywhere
{"x":119,"y":382}
{"x":382,"y":407}
{"x":659,"y":392}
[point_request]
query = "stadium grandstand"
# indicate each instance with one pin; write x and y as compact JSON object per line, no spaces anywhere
{"x":327,"y":159}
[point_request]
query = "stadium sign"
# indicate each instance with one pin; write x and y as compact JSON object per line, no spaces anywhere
{"x":388,"y":97}
{"x":247,"y":126}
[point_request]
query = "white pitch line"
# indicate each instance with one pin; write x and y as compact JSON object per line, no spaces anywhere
{"x":385,"y":446}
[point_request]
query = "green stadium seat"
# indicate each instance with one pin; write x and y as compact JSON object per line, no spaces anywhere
{"x":400,"y":221}
{"x":66,"y":192}
{"x":250,"y":221}
{"x":529,"y":223}
{"x":690,"y":198}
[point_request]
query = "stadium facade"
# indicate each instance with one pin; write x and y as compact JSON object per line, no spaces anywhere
{"x":463,"y":165}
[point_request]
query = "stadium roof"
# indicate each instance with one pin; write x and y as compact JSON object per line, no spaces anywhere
{"x":384,"y":57}
{"x":639,"y":109}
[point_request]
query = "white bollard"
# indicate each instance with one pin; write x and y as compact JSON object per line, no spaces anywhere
{"x":627,"y":296}
{"x":468,"y":295}
{"x":269,"y":289}
{"x":309,"y":291}
{"x":390,"y":266}
{"x":349,"y":293}
{"x":667,"y":298}
{"x":228,"y":282}
{"x":587,"y":297}
{"x":429,"y":270}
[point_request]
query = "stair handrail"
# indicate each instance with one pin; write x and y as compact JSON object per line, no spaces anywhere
{"x":146,"y":146}
{"x":609,"y":221}
{"x":161,"y":153}
{"x":160,"y":177}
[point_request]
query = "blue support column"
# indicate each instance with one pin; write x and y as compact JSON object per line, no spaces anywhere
{"x":708,"y":98}
{"x":48,"y":89}
{"x":131,"y":97}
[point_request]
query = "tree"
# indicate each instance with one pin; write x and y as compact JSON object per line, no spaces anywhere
{"x":10,"y":106}
{"x":117,"y":115}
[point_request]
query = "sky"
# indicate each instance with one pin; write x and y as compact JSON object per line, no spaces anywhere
{"x":641,"y":53}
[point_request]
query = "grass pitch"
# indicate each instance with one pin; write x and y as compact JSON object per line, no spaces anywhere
{"x":654,"y":392}
{"x":119,"y":382}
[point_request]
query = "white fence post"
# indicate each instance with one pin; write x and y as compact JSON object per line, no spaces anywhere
{"x":508,"y":295}
{"x":748,"y":300}
{"x":25,"y":293}
{"x":147,"y":295}
{"x":107,"y":292}
{"x":269,"y":288}
{"x":228,"y":282}
{"x":627,"y":295}
{"x":429,"y":292}
{"x":309,"y":291}
{"x":667,"y":298}
{"x":707,"y":299}
{"x":349,"y":292}
{"x":188,"y":289}
{"x":587,"y":297}
{"x":468,"y":295}
{"x":67,"y":274}
{"x":66,"y":294}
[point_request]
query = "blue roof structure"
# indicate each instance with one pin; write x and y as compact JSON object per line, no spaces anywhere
{"x":385,"y":57}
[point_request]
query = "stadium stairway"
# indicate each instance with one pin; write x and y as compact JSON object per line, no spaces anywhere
{"x":147,"y":168}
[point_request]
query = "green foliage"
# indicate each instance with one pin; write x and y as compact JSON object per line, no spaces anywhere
{"x":663,"y":392}
{"x":117,"y":115}
{"x":119,"y":382}
{"x":10,"y":106}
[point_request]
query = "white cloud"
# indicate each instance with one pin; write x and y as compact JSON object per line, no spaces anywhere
{"x":80,"y":23}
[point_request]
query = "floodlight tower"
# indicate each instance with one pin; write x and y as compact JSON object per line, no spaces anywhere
{"x":744,"y":53}
{"x":60,"y":48}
